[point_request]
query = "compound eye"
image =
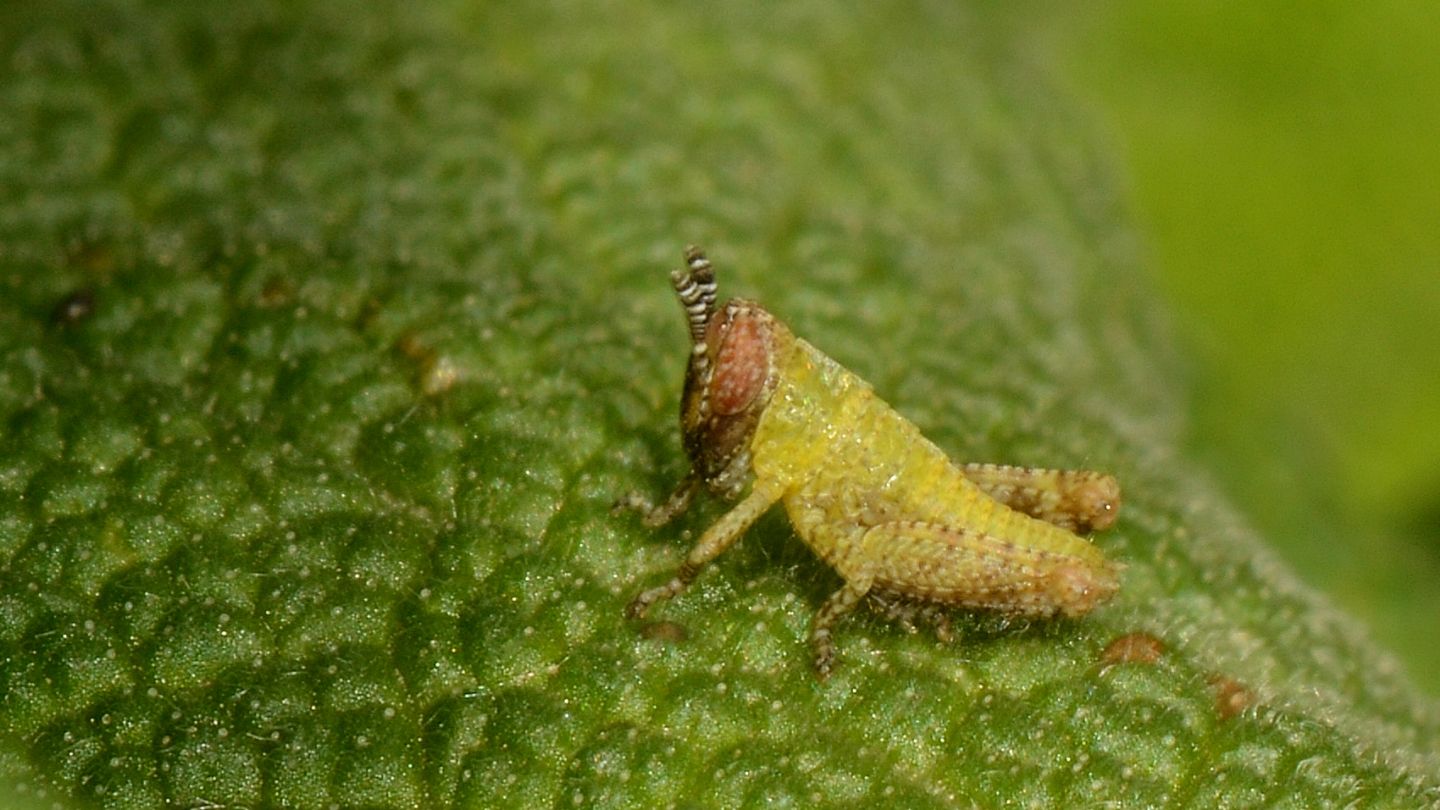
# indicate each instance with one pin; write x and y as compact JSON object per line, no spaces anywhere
{"x":742,"y":363}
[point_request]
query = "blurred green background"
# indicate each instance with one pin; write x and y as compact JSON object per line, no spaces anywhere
{"x":1285,"y":173}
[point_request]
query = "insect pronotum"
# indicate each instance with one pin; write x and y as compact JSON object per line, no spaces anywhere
{"x":766,"y":416}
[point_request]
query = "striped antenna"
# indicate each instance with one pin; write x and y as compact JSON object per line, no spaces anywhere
{"x":695,"y":287}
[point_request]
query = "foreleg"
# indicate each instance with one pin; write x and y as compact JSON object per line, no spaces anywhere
{"x":656,"y":516}
{"x":720,"y":536}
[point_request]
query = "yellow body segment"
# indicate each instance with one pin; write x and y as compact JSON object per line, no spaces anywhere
{"x":877,"y":501}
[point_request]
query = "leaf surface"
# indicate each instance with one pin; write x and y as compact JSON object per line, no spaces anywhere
{"x":329,"y":334}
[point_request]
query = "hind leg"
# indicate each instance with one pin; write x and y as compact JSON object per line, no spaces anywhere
{"x":1080,"y":501}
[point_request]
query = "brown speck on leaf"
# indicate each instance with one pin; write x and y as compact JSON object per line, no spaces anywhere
{"x":435,"y":373}
{"x":1133,"y":648}
{"x":96,"y":258}
{"x":1231,"y":696}
{"x":671,"y":632}
{"x":277,"y":292}
{"x":414,"y":348}
{"x":438,"y":376}
{"x":369,"y":315}
{"x":73,"y":308}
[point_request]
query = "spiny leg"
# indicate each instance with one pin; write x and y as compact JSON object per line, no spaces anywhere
{"x":835,"y":608}
{"x":897,"y":608}
{"x":656,"y":516}
{"x":927,"y":562}
{"x":1080,"y":501}
{"x":720,"y":536}
{"x":962,"y":567}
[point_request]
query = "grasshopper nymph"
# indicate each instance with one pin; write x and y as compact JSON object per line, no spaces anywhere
{"x":872,"y":497}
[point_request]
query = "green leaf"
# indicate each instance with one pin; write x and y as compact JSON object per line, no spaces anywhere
{"x":329,"y":334}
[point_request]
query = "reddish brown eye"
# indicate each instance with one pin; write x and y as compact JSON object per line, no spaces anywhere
{"x":741,"y":365}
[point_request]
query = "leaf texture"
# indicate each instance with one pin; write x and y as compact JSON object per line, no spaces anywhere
{"x":329,"y":333}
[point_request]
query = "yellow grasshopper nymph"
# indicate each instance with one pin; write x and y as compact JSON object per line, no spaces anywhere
{"x":871,"y":496}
